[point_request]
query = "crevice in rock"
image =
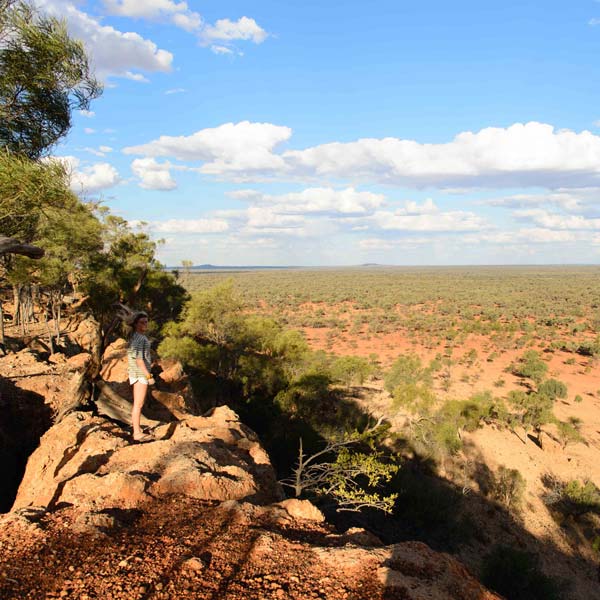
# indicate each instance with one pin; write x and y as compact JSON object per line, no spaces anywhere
{"x":24,"y":418}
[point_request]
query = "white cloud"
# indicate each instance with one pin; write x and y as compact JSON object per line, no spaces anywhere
{"x":190,"y":226}
{"x":153,"y":175}
{"x":90,"y":178}
{"x":89,"y":130}
{"x":522,"y":155}
{"x":89,"y":114}
{"x":176,"y":12}
{"x":240,"y":149}
{"x":135,"y":77}
{"x":105,"y":149}
{"x":316,"y":201}
{"x":175,"y":91}
{"x":389,"y":244}
{"x":113,"y":52}
{"x":427,"y":217}
{"x":225,"y":30}
{"x":594,"y":22}
{"x":523,"y":237}
{"x":532,"y":154}
{"x":221,"y":49}
{"x":549,"y":220}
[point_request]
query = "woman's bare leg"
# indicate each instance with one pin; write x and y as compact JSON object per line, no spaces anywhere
{"x":139,"y":397}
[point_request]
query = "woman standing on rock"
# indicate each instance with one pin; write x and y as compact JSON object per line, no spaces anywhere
{"x":138,"y":366}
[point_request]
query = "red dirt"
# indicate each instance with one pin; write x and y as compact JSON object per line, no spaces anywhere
{"x":176,"y":549}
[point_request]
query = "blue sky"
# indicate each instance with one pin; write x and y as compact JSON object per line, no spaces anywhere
{"x":336,"y":133}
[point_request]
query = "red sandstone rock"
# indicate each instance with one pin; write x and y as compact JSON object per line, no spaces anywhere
{"x":89,"y":462}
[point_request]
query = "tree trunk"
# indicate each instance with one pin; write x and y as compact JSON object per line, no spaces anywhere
{"x":2,"y":340}
{"x":16,"y":304}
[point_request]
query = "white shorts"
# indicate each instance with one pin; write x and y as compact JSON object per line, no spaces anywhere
{"x":143,"y":380}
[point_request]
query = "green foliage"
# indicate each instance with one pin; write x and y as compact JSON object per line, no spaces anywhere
{"x":414,"y":397}
{"x":251,"y":352}
{"x":569,"y":433}
{"x":126,"y":270}
{"x":578,"y":398}
{"x":439,"y":434}
{"x":536,"y":408}
{"x":516,"y":575}
{"x":572,"y":498}
{"x":351,"y":370}
{"x":553,"y":389}
{"x":589,"y":347}
{"x":407,"y":369}
{"x":44,"y":75}
{"x":341,"y":471}
{"x":33,"y":196}
{"x":354,"y":480}
{"x":532,"y":366}
{"x":509,"y":487}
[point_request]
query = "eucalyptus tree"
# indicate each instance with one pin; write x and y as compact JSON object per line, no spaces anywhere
{"x":44,"y":76}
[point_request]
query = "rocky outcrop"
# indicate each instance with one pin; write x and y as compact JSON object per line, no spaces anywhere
{"x":90,"y":462}
{"x":196,"y":513}
{"x":179,"y":548}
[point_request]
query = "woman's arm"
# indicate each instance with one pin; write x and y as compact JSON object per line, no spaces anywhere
{"x":142,"y":365}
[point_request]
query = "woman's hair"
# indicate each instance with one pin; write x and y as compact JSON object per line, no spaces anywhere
{"x":139,"y":315}
{"x":128,"y":316}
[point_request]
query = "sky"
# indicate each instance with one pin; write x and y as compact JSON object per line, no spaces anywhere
{"x":341,"y":133}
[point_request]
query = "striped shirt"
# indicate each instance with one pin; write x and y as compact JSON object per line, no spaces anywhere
{"x":139,"y":347}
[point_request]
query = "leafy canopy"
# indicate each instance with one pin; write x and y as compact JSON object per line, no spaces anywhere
{"x":44,"y":75}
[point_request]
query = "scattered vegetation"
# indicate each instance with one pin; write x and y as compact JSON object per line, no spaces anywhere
{"x":572,"y":498}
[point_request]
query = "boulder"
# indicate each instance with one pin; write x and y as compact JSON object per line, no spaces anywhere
{"x":86,"y":337}
{"x":89,"y":462}
{"x":302,"y":509}
{"x":410,"y":570}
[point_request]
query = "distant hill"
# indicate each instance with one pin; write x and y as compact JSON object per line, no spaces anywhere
{"x":208,"y":267}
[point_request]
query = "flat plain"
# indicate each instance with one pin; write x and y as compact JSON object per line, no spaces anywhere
{"x":472,"y":326}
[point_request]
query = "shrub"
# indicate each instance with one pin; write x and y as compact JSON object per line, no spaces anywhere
{"x":509,"y":487}
{"x":569,"y":433}
{"x":516,"y":575}
{"x":578,"y":398}
{"x":532,"y":366}
{"x":414,"y":397}
{"x":407,"y":369}
{"x":573,"y":498}
{"x":439,"y":435}
{"x":590,"y":347}
{"x":553,"y":389}
{"x":537,"y":409}
{"x":351,"y":370}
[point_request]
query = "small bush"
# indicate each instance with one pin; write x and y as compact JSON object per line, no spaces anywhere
{"x":351,"y":370}
{"x":553,"y":389}
{"x":414,"y":397}
{"x":532,"y":366}
{"x":509,"y":487}
{"x":590,"y":347}
{"x":578,"y":398}
{"x":407,"y":369}
{"x":569,"y":433}
{"x":516,"y":575}
{"x":573,"y":498}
